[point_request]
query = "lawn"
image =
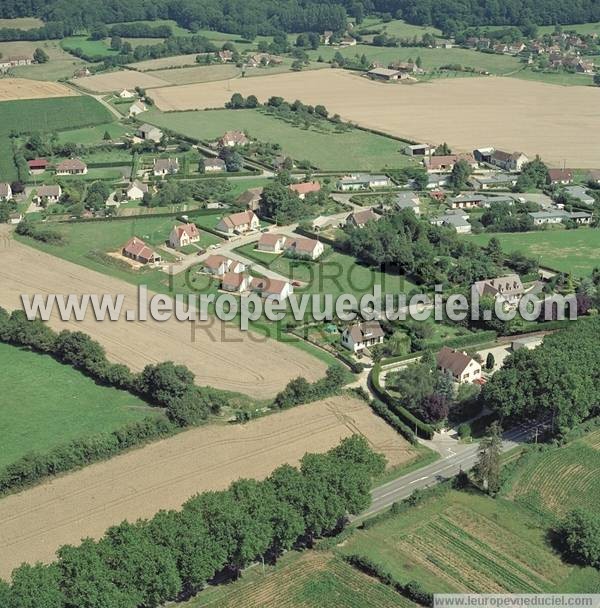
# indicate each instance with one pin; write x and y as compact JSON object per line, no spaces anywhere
{"x":574,"y":251}
{"x":326,"y":148}
{"x":46,"y":404}
{"x":90,"y":136}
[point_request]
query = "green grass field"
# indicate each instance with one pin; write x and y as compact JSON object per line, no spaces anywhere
{"x":94,"y":48}
{"x":46,"y":404}
{"x":22,"y":23}
{"x":397,"y":27}
{"x":575,"y":251}
{"x":561,"y":78}
{"x":325,"y":148}
{"x":582,"y":28}
{"x":89,"y":136}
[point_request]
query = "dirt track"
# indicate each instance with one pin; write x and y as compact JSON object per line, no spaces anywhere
{"x":536,"y":118}
{"x":163,"y":475}
{"x":220,"y":355}
{"x":21,"y":88}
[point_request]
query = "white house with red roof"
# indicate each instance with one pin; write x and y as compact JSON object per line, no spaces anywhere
{"x":304,"y":248}
{"x":183,"y":235}
{"x":271,"y":242}
{"x":238,"y":223}
{"x":219,"y":265}
{"x":273,"y":289}
{"x":236,"y":282}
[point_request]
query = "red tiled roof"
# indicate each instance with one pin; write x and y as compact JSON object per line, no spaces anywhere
{"x":306,"y":187}
{"x":137,"y":248}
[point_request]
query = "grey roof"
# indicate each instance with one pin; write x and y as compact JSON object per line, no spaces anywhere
{"x":580,"y":193}
{"x":48,"y":191}
{"x":359,"y":178}
{"x":369,"y":330}
{"x":4,"y":188}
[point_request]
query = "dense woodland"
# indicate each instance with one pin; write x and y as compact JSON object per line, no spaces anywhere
{"x":252,"y":17}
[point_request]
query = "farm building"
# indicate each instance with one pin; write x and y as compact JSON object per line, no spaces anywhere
{"x":440,"y":164}
{"x":37,"y":165}
{"x":137,"y":107}
{"x":581,"y":194}
{"x":417,"y":149}
{"x":250,"y":198}
{"x":457,"y":363}
{"x":135,"y":249}
{"x":385,"y":74}
{"x":238,"y":223}
{"x":71,"y":166}
{"x":509,"y":161}
{"x":150,"y":133}
{"x":494,"y":180}
{"x":304,"y":188}
{"x":359,"y":218}
{"x":363,"y":181}
{"x":184,"y":234}
{"x":15,"y":61}
{"x":362,"y":335}
{"x":136,"y":190}
{"x":165,"y":166}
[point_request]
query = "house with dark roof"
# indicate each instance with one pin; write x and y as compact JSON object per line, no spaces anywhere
{"x":560,"y":176}
{"x":214,"y":165}
{"x":459,"y":365}
{"x":362,"y":335}
{"x":250,"y":198}
{"x":509,"y":289}
{"x":50,"y":194}
{"x":37,"y":165}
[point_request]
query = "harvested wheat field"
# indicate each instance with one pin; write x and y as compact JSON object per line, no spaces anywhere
{"x":20,"y":88}
{"x":220,"y":355}
{"x":117,"y":81}
{"x":163,"y":475}
{"x":176,"y":61}
{"x":553,"y":121}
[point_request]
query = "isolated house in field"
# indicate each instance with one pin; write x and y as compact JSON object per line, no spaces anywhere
{"x":271,"y":242}
{"x":125,"y":94}
{"x":137,"y":107}
{"x":560,"y":176}
{"x":150,"y":133}
{"x":462,"y":367}
{"x":385,"y":74}
{"x":358,"y":219}
{"x":362,"y":335}
{"x":363,"y":181}
{"x":225,"y":56}
{"x":165,"y":166}
{"x":37,"y":165}
{"x":509,"y":289}
{"x":233,"y":138}
{"x":236,"y":282}
{"x":304,"y":248}
{"x":5,"y":191}
{"x":250,"y":198}
{"x":304,"y":188}
{"x":509,"y":161}
{"x":135,"y":249}
{"x":51,"y":194}
{"x":184,"y":234}
{"x":441,"y":164}
{"x":272,"y":289}
{"x":71,"y":166}
{"x":214,"y":165}
{"x":136,"y":190}
{"x":238,"y":223}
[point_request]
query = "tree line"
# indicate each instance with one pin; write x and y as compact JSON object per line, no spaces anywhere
{"x":173,"y":555}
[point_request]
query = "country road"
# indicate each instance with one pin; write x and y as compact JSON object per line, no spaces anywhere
{"x":387,"y":494}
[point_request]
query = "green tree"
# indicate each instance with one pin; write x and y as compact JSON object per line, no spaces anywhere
{"x":487,"y":469}
{"x":490,"y":361}
{"x":40,"y":56}
{"x":460,"y":174}
{"x":579,"y":535}
{"x":597,"y":79}
{"x":36,"y":586}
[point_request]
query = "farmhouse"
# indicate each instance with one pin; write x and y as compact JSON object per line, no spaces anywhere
{"x":273,"y":243}
{"x":509,"y":161}
{"x":214,"y":165}
{"x":509,"y":289}
{"x":462,"y":367}
{"x":250,"y":198}
{"x":135,"y":249}
{"x":137,"y":107}
{"x":363,"y":181}
{"x":37,"y":165}
{"x":272,"y":289}
{"x":136,"y":190}
{"x":5,"y":191}
{"x":238,"y":223}
{"x":358,"y":219}
{"x":165,"y":166}
{"x":362,"y":335}
{"x":233,"y":138}
{"x":263,"y":59}
{"x":304,"y":188}
{"x":580,"y":194}
{"x":150,"y":133}
{"x":183,"y":235}
{"x":304,"y":248}
{"x":235,"y":282}
{"x":560,"y":215}
{"x":50,"y":194}
{"x":439,"y":164}
{"x":71,"y":166}
{"x":385,"y":74}
{"x":560,"y":176}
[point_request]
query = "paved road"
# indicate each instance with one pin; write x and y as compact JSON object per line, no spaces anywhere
{"x":463,"y":458}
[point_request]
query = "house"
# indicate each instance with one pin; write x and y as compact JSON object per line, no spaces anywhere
{"x":125,"y":94}
{"x":560,"y":176}
{"x":136,"y":190}
{"x":250,"y":198}
{"x":304,"y":248}
{"x":165,"y":166}
{"x":453,"y":219}
{"x":5,"y":191}
{"x":82,"y":73}
{"x":385,"y":74}
{"x":363,"y":181}
{"x":436,"y":180}
{"x":466,"y":201}
{"x":442,"y":163}
{"x":304,"y":188}
{"x":150,"y":133}
{"x":233,"y":138}
{"x":183,"y":235}
{"x":263,"y":59}
{"x":509,"y":289}
{"x":362,"y":335}
{"x":417,"y":149}
{"x":580,"y":194}
{"x":408,"y":200}
{"x":406,"y":68}
{"x":326,"y":38}
{"x":225,"y":56}
{"x":483,"y":155}
{"x":238,"y":223}
{"x":271,"y":242}
{"x":272,"y":289}
{"x":71,"y":166}
{"x":509,"y":161}
{"x":358,"y":219}
{"x":559,"y":216}
{"x":216,"y":264}
{"x":135,"y":249}
{"x":51,"y":194}
{"x":493,"y":180}
{"x":37,"y":165}
{"x":235,"y":281}
{"x":137,"y":107}
{"x":457,"y":363}
{"x":214,"y":165}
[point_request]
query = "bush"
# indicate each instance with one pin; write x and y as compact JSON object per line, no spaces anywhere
{"x":464,"y":430}
{"x":579,"y":537}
